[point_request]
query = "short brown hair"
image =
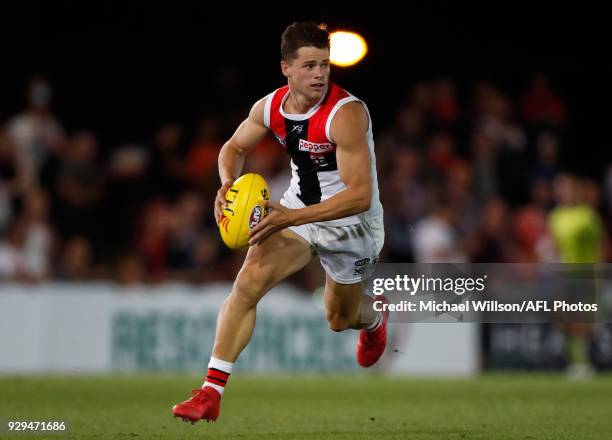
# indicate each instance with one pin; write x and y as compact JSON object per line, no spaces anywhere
{"x":303,"y":34}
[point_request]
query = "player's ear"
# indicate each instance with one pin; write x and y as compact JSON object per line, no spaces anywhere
{"x":285,"y":68}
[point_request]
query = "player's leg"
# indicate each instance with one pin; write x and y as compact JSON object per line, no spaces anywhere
{"x":265,"y":265}
{"x":347,"y":306}
{"x":281,"y":255}
{"x":349,"y":255}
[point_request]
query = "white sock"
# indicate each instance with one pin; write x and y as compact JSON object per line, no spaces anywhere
{"x":375,"y":324}
{"x":219,"y":374}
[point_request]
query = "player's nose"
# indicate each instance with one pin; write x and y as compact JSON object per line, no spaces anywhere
{"x":319,"y":76}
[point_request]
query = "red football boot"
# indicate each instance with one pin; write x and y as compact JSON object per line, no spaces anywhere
{"x":204,"y":405}
{"x":371,"y":345}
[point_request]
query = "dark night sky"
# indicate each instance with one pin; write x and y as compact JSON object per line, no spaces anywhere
{"x":122,"y":69}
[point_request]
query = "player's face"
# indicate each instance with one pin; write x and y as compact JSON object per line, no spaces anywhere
{"x":308,"y":73}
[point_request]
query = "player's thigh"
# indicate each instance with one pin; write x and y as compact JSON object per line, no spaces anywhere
{"x":268,"y":263}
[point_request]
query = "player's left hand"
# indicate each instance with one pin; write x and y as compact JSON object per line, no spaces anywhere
{"x":279,"y":217}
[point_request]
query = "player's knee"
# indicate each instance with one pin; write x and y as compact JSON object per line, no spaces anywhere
{"x":337,"y":321}
{"x":249,"y":287}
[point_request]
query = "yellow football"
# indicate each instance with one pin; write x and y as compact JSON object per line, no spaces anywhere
{"x":244,"y":210}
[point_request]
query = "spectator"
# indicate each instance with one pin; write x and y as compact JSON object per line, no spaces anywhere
{"x":441,"y":153}
{"x":541,"y":105}
{"x":444,"y":106}
{"x":531,"y":225}
{"x":208,"y":264}
{"x":201,"y":161}
{"x":36,"y":132}
{"x":409,"y":127}
{"x":459,"y":196}
{"x":494,"y":116}
{"x":492,"y":242}
{"x":12,"y":179}
{"x":130,"y":270}
{"x":166,"y":175}
{"x":76,"y":260}
{"x":484,"y":159}
{"x":16,"y":262}
{"x":39,"y":235}
{"x":547,"y":148}
{"x":185,"y":232}
{"x":404,"y":196}
{"x":126,"y":192}
{"x":435,"y":239}
{"x":152,"y":240}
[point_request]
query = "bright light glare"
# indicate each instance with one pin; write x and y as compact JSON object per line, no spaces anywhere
{"x":347,"y":48}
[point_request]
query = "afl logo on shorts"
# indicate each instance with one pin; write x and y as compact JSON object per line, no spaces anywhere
{"x":362,"y":262}
{"x":255,"y":216}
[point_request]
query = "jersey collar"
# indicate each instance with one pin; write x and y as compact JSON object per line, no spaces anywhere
{"x":302,"y":116}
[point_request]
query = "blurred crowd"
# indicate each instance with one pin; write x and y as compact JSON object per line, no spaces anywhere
{"x":479,"y":179}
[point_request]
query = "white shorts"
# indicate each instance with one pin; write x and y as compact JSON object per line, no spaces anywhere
{"x":348,"y":253}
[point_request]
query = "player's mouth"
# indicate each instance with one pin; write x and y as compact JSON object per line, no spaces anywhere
{"x":318,"y":86}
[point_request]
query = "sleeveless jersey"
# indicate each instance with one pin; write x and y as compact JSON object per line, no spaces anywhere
{"x":306,"y":137}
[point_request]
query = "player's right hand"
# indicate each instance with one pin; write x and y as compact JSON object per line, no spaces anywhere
{"x":220,"y":201}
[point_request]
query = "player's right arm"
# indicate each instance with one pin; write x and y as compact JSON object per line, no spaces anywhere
{"x":233,"y":153}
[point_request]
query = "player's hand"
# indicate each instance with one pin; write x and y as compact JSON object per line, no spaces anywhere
{"x":220,"y":201}
{"x":278,"y":218}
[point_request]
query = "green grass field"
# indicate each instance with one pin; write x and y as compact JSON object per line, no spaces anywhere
{"x":364,"y":407}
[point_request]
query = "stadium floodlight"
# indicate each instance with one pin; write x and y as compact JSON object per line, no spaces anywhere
{"x":347,"y":48}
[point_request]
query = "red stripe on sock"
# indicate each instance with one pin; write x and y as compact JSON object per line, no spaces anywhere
{"x":217,"y":377}
{"x":218,"y":374}
{"x":215,"y":381}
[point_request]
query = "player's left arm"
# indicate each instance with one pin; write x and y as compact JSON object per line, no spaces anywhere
{"x":348,"y":130}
